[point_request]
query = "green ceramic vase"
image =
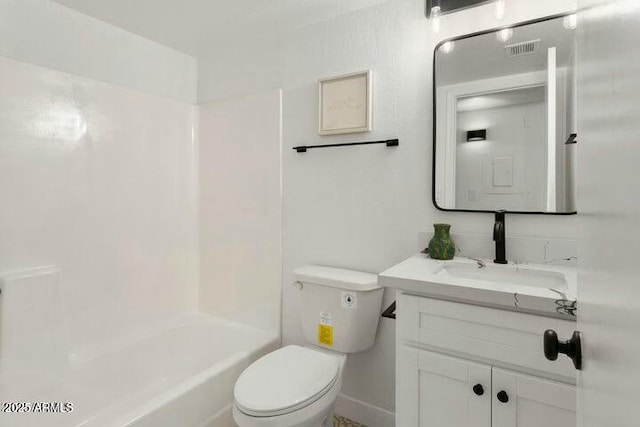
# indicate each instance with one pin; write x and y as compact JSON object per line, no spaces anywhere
{"x":441,"y":245}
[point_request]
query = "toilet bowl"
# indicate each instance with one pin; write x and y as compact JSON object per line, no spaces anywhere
{"x":298,"y":386}
{"x":290,"y":387}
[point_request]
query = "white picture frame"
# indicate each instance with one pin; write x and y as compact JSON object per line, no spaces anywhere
{"x":345,"y":103}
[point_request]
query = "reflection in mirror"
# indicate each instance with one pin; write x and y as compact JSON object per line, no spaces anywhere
{"x":504,"y":110}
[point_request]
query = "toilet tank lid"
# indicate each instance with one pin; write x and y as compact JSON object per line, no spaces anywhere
{"x":337,"y":278}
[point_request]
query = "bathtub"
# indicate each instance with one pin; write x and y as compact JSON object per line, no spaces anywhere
{"x":179,"y":375}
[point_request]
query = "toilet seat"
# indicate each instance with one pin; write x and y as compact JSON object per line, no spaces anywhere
{"x":285,"y":381}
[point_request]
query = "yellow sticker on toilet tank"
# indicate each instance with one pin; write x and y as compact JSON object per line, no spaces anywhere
{"x":325,"y":335}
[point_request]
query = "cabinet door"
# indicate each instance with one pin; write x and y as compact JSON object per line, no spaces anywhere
{"x":524,"y":401}
{"x":434,"y":390}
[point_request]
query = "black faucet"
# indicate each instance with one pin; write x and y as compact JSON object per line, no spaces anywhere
{"x":499,"y":237}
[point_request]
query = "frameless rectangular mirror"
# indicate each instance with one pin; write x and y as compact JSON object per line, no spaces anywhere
{"x":505,"y":119}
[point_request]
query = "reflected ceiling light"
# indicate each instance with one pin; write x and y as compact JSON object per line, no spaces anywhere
{"x":505,"y":34}
{"x":447,"y":47}
{"x":500,"y":7}
{"x":570,"y":22}
{"x":435,"y":18}
{"x":477,"y":135}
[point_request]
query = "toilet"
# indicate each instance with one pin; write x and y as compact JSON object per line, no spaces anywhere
{"x":297,"y":386}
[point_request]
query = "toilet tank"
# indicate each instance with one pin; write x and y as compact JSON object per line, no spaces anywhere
{"x":339,"y":308}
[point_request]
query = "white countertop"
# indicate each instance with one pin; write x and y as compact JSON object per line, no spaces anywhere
{"x":540,"y":289}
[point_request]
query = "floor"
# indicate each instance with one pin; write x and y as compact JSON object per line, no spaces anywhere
{"x":339,"y":421}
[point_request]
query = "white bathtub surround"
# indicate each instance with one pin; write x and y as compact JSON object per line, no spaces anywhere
{"x":103,"y":184}
{"x":241,"y":209}
{"x":99,"y":181}
{"x":32,"y":325}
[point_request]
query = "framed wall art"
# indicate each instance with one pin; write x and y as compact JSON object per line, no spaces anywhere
{"x":345,"y":104}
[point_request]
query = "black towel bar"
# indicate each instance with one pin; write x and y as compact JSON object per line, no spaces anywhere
{"x":388,"y":142}
{"x":390,"y":312}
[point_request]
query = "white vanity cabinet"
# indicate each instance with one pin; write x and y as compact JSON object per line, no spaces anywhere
{"x":532,"y":401}
{"x":461,"y":365}
{"x":438,"y":391}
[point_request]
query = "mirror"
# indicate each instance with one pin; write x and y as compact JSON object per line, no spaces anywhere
{"x":505,"y":119}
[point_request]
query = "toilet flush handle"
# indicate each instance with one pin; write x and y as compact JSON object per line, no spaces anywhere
{"x":298,"y":284}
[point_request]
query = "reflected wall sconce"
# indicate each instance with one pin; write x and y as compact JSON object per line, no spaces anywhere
{"x":436,"y":8}
{"x":477,"y":135}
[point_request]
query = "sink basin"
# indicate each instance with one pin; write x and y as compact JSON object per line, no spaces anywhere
{"x":505,"y":274}
{"x":542,"y":289}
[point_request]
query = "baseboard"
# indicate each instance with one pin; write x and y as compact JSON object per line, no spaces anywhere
{"x":364,"y":413}
{"x":353,"y":409}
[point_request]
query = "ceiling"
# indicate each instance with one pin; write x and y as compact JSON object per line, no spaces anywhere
{"x":506,"y":98}
{"x":484,"y":56}
{"x":195,"y":26}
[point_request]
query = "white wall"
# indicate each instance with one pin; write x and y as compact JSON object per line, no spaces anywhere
{"x":99,"y":181}
{"x":517,"y":131}
{"x":97,"y":153}
{"x":364,"y":207}
{"x":357,"y":207}
{"x":45,"y":33}
{"x":241,"y":209}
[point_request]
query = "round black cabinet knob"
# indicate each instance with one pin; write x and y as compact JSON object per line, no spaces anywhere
{"x":478,"y":389}
{"x":503,"y":396}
